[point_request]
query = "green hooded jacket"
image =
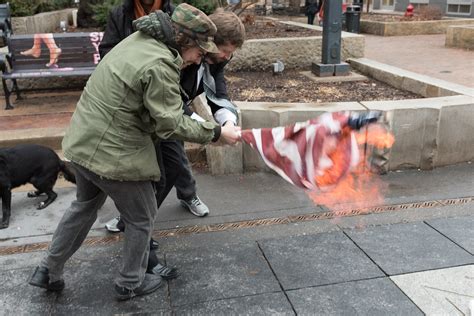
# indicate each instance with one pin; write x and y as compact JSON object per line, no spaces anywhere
{"x":132,"y":98}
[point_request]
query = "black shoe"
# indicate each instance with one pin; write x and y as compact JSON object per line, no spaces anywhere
{"x":40,"y":278}
{"x":165,"y":272}
{"x":154,"y":244}
{"x":150,"y":284}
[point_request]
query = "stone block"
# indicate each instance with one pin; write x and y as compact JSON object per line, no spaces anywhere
{"x":225,"y":159}
{"x":415,"y":86}
{"x":460,"y":230}
{"x":461,"y":36}
{"x":46,"y":22}
{"x":223,"y":271}
{"x":256,"y":115}
{"x":322,"y":70}
{"x":410,"y":28}
{"x":413,"y":124}
{"x":220,"y":159}
{"x":405,"y":248}
{"x":366,"y":297}
{"x":294,"y":52}
{"x":382,"y":72}
{"x":321,"y":259}
{"x":342,"y":69}
{"x":456,"y":133}
{"x":306,"y":111}
{"x":440,"y":292}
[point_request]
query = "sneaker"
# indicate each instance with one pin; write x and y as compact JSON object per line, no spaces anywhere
{"x":111,"y":225}
{"x":150,"y":284}
{"x":195,"y":206}
{"x":165,"y":272}
{"x":40,"y":278}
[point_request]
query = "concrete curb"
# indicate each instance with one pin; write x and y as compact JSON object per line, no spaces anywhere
{"x":410,"y":28}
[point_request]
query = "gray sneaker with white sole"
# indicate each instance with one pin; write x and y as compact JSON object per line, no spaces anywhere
{"x":195,"y":206}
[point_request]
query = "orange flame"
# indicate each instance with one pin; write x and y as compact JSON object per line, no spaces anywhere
{"x":359,"y":188}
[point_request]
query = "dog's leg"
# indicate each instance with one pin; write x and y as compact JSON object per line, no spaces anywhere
{"x":51,"y":197}
{"x":6,"y":208}
{"x":33,"y":194}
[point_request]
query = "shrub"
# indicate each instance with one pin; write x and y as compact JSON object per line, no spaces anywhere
{"x":101,"y":11}
{"x":31,"y":7}
{"x":206,"y":6}
{"x":430,"y":12}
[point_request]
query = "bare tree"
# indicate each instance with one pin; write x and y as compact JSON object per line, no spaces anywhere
{"x":294,"y":6}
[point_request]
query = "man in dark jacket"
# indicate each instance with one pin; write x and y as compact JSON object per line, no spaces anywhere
{"x":119,"y":23}
{"x":311,"y":8}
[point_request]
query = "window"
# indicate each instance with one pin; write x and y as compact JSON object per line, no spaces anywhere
{"x":461,"y":7}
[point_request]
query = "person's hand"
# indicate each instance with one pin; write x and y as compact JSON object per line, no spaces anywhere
{"x":230,"y":135}
{"x":358,"y":120}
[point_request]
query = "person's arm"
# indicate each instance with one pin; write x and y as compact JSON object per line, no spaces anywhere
{"x":221,"y":115}
{"x":163,"y":100}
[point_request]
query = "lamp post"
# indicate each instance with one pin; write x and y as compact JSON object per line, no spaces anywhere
{"x":331,"y":64}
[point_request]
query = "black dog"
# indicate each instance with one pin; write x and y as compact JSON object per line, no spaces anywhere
{"x":35,"y":164}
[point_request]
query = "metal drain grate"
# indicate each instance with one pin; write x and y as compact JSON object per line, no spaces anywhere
{"x":97,"y":241}
{"x":457,"y":201}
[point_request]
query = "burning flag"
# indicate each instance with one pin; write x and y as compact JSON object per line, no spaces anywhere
{"x":316,"y":154}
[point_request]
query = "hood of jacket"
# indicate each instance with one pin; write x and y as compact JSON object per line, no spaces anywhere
{"x":157,"y":25}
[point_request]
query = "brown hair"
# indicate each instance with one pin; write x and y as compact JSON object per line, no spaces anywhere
{"x":230,"y":29}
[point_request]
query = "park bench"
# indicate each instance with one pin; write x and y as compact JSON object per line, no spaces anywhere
{"x":77,"y":55}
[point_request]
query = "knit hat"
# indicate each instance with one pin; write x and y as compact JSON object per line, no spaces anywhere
{"x":195,"y":23}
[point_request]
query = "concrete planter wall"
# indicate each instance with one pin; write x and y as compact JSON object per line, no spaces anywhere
{"x":47,"y":22}
{"x":294,"y":52}
{"x":410,"y":28}
{"x":461,"y":36}
{"x":429,"y":133}
{"x":423,"y":128}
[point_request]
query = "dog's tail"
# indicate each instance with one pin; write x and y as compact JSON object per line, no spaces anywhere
{"x":68,"y":171}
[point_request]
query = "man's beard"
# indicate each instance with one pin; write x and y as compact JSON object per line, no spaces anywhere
{"x":213,"y":59}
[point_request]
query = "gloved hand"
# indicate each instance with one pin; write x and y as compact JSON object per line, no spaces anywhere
{"x":358,"y":120}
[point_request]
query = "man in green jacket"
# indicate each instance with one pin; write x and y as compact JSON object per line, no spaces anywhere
{"x":132,"y":98}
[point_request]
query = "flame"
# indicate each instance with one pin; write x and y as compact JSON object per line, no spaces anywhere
{"x":357,"y":188}
{"x":339,"y":160}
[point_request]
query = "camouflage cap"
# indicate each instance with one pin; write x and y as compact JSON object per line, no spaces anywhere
{"x":195,"y":23}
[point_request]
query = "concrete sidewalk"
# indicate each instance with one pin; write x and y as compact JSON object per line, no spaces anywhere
{"x":266,"y":249}
{"x":423,"y":54}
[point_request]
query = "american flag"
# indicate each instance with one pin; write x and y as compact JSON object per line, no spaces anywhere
{"x":305,"y":153}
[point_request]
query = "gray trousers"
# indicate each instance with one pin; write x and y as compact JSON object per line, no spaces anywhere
{"x":136,"y":203}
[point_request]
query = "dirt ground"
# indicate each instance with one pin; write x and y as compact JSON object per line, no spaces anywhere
{"x":264,"y":28}
{"x":292,"y":86}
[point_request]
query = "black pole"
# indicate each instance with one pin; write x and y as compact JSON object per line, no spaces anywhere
{"x":332,"y":26}
{"x":331,"y":47}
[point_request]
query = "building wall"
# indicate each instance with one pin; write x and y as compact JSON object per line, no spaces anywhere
{"x":401,"y":5}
